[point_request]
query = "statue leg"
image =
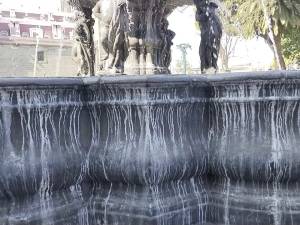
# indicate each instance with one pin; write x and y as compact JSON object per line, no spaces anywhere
{"x":89,"y":51}
{"x":144,"y":37}
{"x":103,"y":46}
{"x":142,"y":58}
{"x":202,"y":57}
{"x":132,"y":63}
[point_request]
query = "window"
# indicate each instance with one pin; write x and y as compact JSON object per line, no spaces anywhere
{"x":12,"y":13}
{"x":41,"y":56}
{"x":14,"y":29}
{"x":57,"y":31}
{"x":36,"y":32}
{"x":4,"y":33}
{"x":50,"y":17}
{"x":25,"y":34}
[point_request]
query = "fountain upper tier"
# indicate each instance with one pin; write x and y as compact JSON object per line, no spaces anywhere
{"x":170,"y":3}
{"x":132,"y":36}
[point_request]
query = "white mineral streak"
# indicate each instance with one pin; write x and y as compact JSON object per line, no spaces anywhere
{"x":263,"y":125}
{"x":243,"y":133}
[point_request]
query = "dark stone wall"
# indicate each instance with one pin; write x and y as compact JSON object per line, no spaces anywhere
{"x":56,"y":133}
{"x":148,"y":134}
{"x":255,"y":130}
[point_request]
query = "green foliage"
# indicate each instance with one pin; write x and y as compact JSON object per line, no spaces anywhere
{"x":274,"y":20}
{"x":269,"y":19}
{"x":230,"y":25}
{"x":288,"y":11}
{"x":251,"y":16}
{"x":291,"y":45}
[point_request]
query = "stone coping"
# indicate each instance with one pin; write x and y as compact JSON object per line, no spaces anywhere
{"x":149,"y":79}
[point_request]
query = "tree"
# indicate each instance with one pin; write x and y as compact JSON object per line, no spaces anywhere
{"x":227,"y":49}
{"x":230,"y":37}
{"x":291,"y":46}
{"x":268,"y":19}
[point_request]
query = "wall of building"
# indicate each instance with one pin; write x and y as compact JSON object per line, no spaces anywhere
{"x":19,"y":60}
{"x":65,"y":7}
{"x":36,"y":43}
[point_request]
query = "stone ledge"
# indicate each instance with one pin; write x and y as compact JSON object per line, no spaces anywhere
{"x":155,"y":79}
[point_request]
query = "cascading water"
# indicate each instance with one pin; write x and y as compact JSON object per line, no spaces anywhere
{"x":140,"y":133}
{"x":257,"y":124}
{"x":150,"y":150}
{"x":40,"y":144}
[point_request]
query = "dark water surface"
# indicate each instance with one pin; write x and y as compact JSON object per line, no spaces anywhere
{"x":179,"y":203}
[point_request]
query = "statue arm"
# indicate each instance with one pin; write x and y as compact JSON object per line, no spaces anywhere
{"x":97,"y":10}
{"x":97,"y":15}
{"x":87,"y":32}
{"x":82,"y":33}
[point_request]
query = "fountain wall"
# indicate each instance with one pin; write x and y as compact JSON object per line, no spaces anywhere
{"x":56,"y":133}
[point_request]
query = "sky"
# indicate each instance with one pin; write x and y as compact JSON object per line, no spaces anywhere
{"x":44,"y":5}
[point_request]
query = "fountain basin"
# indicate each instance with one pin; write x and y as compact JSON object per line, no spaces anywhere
{"x":56,"y":133}
{"x":176,"y":203}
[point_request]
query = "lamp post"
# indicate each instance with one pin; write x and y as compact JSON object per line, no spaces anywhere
{"x":183,"y":48}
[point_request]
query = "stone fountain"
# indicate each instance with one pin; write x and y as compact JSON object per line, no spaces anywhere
{"x":149,"y":150}
{"x":158,"y":149}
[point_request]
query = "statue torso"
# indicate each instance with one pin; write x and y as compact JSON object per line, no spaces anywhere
{"x":105,"y":10}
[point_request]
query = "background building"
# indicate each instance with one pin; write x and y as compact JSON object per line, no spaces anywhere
{"x":65,"y":7}
{"x":36,"y":43}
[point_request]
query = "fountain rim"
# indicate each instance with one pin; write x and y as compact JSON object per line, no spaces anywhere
{"x":160,"y":80}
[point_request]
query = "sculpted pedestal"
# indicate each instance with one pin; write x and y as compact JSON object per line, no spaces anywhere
{"x":133,"y":37}
{"x":149,"y":40}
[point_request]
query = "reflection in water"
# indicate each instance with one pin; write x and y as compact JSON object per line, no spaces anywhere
{"x":184,"y":203}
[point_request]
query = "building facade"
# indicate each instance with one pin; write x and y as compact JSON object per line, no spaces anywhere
{"x":65,"y":7}
{"x":36,"y":44}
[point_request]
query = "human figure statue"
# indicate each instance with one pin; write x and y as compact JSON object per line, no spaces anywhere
{"x":211,"y":34}
{"x":110,"y":14}
{"x":117,"y":38}
{"x":103,"y":11}
{"x":83,"y":50}
{"x":148,"y":37}
{"x":135,"y":40}
{"x":167,"y":42}
{"x":131,"y":31}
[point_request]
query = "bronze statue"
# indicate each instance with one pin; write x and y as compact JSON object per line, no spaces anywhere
{"x":103,"y":11}
{"x":167,"y":42}
{"x":131,"y":31}
{"x":112,"y":26}
{"x":149,"y":40}
{"x":118,"y":38}
{"x":211,"y":34}
{"x":134,"y":35}
{"x":83,"y":51}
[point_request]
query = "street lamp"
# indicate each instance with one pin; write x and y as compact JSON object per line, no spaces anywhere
{"x":183,"y":48}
